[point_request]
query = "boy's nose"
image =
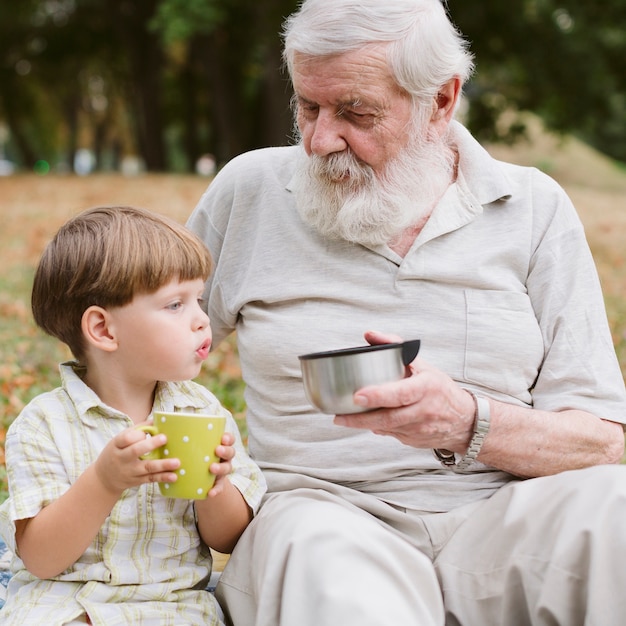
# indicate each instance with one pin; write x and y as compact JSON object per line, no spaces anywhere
{"x":202,"y":319}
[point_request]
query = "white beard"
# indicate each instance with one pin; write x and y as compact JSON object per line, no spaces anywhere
{"x":343,"y":198}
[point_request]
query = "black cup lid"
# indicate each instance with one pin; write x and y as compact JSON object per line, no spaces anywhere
{"x":349,"y":351}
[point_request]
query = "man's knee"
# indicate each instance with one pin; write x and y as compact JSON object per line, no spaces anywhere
{"x":301,"y":521}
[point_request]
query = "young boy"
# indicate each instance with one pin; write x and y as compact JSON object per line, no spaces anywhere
{"x":94,"y":540}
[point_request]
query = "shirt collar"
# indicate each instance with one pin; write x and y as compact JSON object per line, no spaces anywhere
{"x":482,"y":175}
{"x":169,"y":396}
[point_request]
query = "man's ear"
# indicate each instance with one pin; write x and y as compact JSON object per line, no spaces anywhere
{"x":445,"y":102}
{"x":98,"y":330}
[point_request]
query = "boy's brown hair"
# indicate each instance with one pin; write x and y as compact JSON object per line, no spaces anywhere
{"x":105,"y":256}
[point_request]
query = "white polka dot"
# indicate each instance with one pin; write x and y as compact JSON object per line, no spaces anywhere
{"x":163,"y":419}
{"x":199,"y":491}
{"x":166,"y":452}
{"x":207,"y":459}
{"x":210,"y":426}
{"x":186,"y":439}
{"x":182,"y":472}
{"x":166,"y":485}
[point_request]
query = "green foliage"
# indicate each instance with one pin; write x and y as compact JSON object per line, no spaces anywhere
{"x":563,"y":60}
{"x":4,"y":487}
{"x":179,"y":20}
{"x":209,"y":69}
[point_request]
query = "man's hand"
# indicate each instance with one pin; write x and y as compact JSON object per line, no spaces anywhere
{"x":427,"y":409}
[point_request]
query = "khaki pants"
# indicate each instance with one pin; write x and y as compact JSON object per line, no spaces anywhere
{"x":549,"y":551}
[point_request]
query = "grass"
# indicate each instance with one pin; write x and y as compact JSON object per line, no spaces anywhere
{"x":33,"y":207}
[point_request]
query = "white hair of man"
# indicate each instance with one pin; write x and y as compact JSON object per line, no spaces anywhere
{"x":425,"y":49}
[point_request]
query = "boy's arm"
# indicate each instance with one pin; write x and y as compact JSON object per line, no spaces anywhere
{"x":222,"y":518}
{"x":224,"y":514}
{"x":57,"y":536}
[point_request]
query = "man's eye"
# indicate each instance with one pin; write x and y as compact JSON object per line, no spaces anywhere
{"x":361,"y":119}
{"x":308,"y":109}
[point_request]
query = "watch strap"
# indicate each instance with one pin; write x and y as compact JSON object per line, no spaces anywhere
{"x":482,"y":422}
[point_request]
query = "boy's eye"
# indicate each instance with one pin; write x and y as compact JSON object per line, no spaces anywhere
{"x":174,"y":306}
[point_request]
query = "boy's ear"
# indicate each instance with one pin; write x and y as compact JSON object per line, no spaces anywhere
{"x":97,"y":330}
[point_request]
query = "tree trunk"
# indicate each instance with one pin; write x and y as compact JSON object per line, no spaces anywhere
{"x":228,"y":119}
{"x":145,"y":61}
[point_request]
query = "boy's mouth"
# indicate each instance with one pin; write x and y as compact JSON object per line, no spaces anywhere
{"x":203,"y":350}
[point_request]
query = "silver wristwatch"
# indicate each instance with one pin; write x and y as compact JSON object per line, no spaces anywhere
{"x":482,"y":421}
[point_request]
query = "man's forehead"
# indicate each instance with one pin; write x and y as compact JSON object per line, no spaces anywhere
{"x":346,"y":79}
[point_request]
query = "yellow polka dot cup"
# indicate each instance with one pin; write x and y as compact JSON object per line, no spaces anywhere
{"x":192,"y":438}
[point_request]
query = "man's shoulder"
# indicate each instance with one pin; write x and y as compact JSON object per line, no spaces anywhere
{"x":491,"y":179}
{"x":261,"y":163}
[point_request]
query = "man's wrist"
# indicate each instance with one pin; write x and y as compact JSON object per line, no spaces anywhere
{"x":482,"y":423}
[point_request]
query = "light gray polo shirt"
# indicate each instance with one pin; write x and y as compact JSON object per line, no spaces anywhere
{"x":500,"y":286}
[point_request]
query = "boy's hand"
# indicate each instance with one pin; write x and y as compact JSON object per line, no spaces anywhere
{"x":226,"y":453}
{"x":120,"y":466}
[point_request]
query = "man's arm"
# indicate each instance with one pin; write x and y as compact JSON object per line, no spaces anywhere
{"x":430,"y":410}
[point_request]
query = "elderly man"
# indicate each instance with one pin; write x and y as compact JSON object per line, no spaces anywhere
{"x":486,"y":489}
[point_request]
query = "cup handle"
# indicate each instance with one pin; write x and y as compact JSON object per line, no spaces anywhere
{"x":151,"y":431}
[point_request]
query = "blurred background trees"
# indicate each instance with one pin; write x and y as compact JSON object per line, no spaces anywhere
{"x":159,"y":83}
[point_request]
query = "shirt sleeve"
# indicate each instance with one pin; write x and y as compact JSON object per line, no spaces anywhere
{"x":35,"y":470}
{"x":246,"y":475}
{"x":580,"y":368}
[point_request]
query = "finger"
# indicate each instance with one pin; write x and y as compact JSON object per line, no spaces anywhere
{"x":350,"y":421}
{"x":148,"y":444}
{"x":160,"y":477}
{"x":160,"y":466}
{"x":217,"y":489}
{"x":228,"y":439}
{"x":390,"y":395}
{"x":128,"y":437}
{"x":159,"y":470}
{"x":374,"y":337}
{"x":226,"y":453}
{"x":221,"y":469}
{"x":377,"y":421}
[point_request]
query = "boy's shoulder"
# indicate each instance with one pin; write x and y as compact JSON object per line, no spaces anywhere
{"x":55,"y":402}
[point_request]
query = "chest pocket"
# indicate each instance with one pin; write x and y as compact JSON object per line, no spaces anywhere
{"x":504,"y":347}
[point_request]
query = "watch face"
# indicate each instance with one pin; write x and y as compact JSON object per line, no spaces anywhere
{"x":446,"y":457}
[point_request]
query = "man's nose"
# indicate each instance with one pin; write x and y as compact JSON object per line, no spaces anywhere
{"x":327,"y":134}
